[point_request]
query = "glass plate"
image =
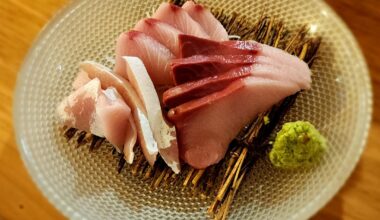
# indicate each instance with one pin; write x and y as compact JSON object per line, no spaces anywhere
{"x":86,"y":185}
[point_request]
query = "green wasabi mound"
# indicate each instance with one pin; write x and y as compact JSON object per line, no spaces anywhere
{"x":297,"y":144}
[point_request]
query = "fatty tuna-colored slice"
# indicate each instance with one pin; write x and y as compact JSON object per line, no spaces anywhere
{"x":192,"y":90}
{"x":191,"y":45}
{"x":180,"y":19}
{"x":163,"y":132}
{"x":156,"y":57}
{"x":125,"y":89}
{"x":199,"y":66}
{"x":208,"y":22}
{"x":162,"y":32}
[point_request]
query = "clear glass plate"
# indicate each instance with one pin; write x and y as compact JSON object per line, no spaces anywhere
{"x":86,"y":185}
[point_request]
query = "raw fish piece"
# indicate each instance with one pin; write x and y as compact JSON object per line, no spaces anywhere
{"x":162,"y":32}
{"x":192,"y":90}
{"x":207,"y":21}
{"x":163,"y":132}
{"x":100,"y":112}
{"x":80,"y":80}
{"x":78,"y":109}
{"x":191,"y":45}
{"x":112,"y":120}
{"x":206,"y":126}
{"x":199,"y":66}
{"x":125,"y":89}
{"x":180,"y":19}
{"x":156,"y":57}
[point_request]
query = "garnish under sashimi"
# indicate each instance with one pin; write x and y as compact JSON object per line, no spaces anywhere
{"x":125,"y":89}
{"x":164,"y":133}
{"x":100,"y":112}
{"x":156,"y":57}
{"x":180,"y":19}
{"x":207,"y":20}
{"x":199,"y":66}
{"x":163,"y":32}
{"x":192,"y":45}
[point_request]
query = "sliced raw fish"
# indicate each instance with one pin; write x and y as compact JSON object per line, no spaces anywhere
{"x":78,"y":109}
{"x":163,"y":132}
{"x":191,"y":45}
{"x":209,"y":23}
{"x":125,"y":89}
{"x":163,"y":32}
{"x":156,"y":57}
{"x":192,"y":90}
{"x":180,"y":19}
{"x":199,"y":66}
{"x":207,"y":125}
{"x":80,"y":80}
{"x":112,"y":120}
{"x":100,"y":112}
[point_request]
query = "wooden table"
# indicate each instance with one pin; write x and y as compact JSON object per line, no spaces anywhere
{"x":21,"y":20}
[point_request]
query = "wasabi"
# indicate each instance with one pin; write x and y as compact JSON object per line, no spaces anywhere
{"x":297,"y":144}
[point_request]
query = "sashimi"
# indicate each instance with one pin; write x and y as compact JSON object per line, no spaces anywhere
{"x":192,"y":90}
{"x":180,"y":19}
{"x":80,"y":80}
{"x":125,"y":89}
{"x":192,"y":45}
{"x":164,"y":133}
{"x":77,"y":109}
{"x":112,"y":120}
{"x":208,"y":22}
{"x":206,"y":126}
{"x":199,"y":66}
{"x":163,"y":32}
{"x":156,"y":57}
{"x":100,"y":112}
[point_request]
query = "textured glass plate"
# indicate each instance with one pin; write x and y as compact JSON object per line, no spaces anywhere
{"x":86,"y":185}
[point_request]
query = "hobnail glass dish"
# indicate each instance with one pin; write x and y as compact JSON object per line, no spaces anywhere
{"x":86,"y":185}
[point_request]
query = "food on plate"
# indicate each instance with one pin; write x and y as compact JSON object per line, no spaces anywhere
{"x":208,"y":22}
{"x":297,"y":144}
{"x":162,"y":32}
{"x":100,"y":112}
{"x":155,"y":56}
{"x":163,"y":132}
{"x":180,"y":19}
{"x":125,"y":89}
{"x":185,"y":95}
{"x":200,"y":66}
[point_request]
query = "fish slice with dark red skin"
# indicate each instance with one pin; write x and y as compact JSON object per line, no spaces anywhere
{"x":199,"y":66}
{"x":192,"y":45}
{"x":192,"y":90}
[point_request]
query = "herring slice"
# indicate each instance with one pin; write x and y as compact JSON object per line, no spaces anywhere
{"x":125,"y":89}
{"x":163,"y":131}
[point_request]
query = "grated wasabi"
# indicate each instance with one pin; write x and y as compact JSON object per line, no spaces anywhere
{"x":297,"y":144}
